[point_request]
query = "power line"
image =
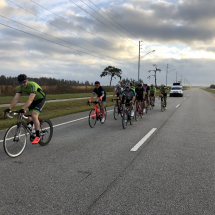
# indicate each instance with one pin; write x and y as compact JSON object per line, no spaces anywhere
{"x":100,"y":21}
{"x":56,"y":37}
{"x":51,"y":41}
{"x":108,"y":21}
{"x":68,"y":21}
{"x":113,"y":19}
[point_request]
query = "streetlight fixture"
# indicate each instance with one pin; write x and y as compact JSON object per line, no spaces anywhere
{"x":139,"y":60}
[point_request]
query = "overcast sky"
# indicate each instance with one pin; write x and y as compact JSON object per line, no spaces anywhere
{"x":82,"y":37}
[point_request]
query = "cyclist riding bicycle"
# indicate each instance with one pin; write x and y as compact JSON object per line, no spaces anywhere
{"x":140,"y":96}
{"x":36,"y":102}
{"x":153,"y":93}
{"x":147,"y":90}
{"x":118,"y":91}
{"x":101,"y":95}
{"x":163,"y":92}
{"x":129,"y":95}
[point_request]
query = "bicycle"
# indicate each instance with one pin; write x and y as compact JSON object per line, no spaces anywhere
{"x":151,"y":102}
{"x":162,"y":104}
{"x":127,"y":116}
{"x":117,"y":109}
{"x":96,"y":114}
{"x":15,"y":138}
{"x":139,"y":111}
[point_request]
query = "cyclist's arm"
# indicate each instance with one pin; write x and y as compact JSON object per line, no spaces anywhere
{"x":15,"y":100}
{"x":114,"y":94}
{"x":92,"y":96}
{"x":30,"y":100}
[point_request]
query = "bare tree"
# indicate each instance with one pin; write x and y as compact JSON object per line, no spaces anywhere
{"x":155,"y":73}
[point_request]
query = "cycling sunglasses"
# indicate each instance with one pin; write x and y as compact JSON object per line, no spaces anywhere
{"x":22,"y":82}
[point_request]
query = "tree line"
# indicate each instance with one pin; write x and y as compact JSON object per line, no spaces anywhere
{"x":43,"y":81}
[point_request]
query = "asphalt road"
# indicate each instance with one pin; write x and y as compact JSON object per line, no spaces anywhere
{"x":94,"y":171}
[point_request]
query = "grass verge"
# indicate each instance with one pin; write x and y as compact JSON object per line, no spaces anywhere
{"x":8,"y":99}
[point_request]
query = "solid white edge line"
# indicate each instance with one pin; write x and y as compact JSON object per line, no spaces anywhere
{"x":67,"y":122}
{"x":177,"y":105}
{"x":143,"y":140}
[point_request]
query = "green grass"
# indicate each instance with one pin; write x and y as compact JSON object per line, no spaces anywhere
{"x":53,"y":110}
{"x":8,"y":99}
{"x":209,"y":90}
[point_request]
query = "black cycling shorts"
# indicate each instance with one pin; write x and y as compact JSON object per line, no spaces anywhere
{"x":37,"y":105}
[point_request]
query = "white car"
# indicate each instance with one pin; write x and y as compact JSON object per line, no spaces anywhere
{"x":176,"y":90}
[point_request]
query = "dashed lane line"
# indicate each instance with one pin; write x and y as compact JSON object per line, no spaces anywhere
{"x":143,"y":140}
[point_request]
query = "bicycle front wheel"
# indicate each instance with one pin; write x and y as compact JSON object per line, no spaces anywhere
{"x":116,"y":112}
{"x":92,"y":118}
{"x":125,"y":119}
{"x":46,"y":131}
{"x":162,"y":106}
{"x":15,"y":140}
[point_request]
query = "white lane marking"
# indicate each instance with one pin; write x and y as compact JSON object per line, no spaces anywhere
{"x":177,"y":105}
{"x":68,"y":122}
{"x":143,"y":140}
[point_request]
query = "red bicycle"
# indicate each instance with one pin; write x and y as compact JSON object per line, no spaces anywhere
{"x":96,"y":114}
{"x":139,"y":110}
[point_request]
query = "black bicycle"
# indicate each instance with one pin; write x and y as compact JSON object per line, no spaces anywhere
{"x":15,"y":138}
{"x":117,"y":109}
{"x":162,"y":103}
{"x":151,"y":102}
{"x":127,"y":115}
{"x":96,"y":114}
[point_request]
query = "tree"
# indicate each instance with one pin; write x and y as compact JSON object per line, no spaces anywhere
{"x":155,"y":75}
{"x":112,"y":71}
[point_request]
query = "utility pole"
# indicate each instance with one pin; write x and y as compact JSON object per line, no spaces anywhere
{"x":139,"y":64}
{"x":166,"y":74}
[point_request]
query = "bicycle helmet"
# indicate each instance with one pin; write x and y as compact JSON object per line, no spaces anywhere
{"x":145,"y":84}
{"x":97,"y":82}
{"x":22,"y":77}
{"x":139,"y":85}
{"x":162,"y":85}
{"x":152,"y":85}
{"x":118,"y":85}
{"x":126,"y":85}
{"x":131,"y":84}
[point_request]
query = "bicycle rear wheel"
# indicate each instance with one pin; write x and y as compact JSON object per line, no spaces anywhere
{"x":125,"y":119}
{"x":92,"y":118}
{"x":46,"y":131}
{"x":116,"y":112}
{"x":137,"y":113}
{"x":15,"y":140}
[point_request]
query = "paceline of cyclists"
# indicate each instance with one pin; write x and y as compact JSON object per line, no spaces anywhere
{"x":37,"y":99}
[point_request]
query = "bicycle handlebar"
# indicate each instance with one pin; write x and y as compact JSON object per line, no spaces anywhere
{"x":95,"y":102}
{"x":15,"y":113}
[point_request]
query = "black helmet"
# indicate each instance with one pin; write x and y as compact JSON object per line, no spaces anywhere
{"x":139,"y":85}
{"x":97,"y":82}
{"x":131,"y":84}
{"x":22,"y":77}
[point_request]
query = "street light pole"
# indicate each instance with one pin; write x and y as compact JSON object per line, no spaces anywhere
{"x":139,"y":63}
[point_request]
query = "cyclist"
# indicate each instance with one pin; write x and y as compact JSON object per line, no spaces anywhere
{"x":101,"y":95}
{"x":129,"y":95}
{"x":140,"y":95}
{"x":163,"y":92}
{"x":147,"y":90}
{"x":118,"y":91}
{"x":132,"y":87}
{"x":36,"y":102}
{"x":153,"y":93}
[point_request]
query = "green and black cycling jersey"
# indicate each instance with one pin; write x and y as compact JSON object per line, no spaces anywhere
{"x":163,"y":90}
{"x":32,"y":87}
